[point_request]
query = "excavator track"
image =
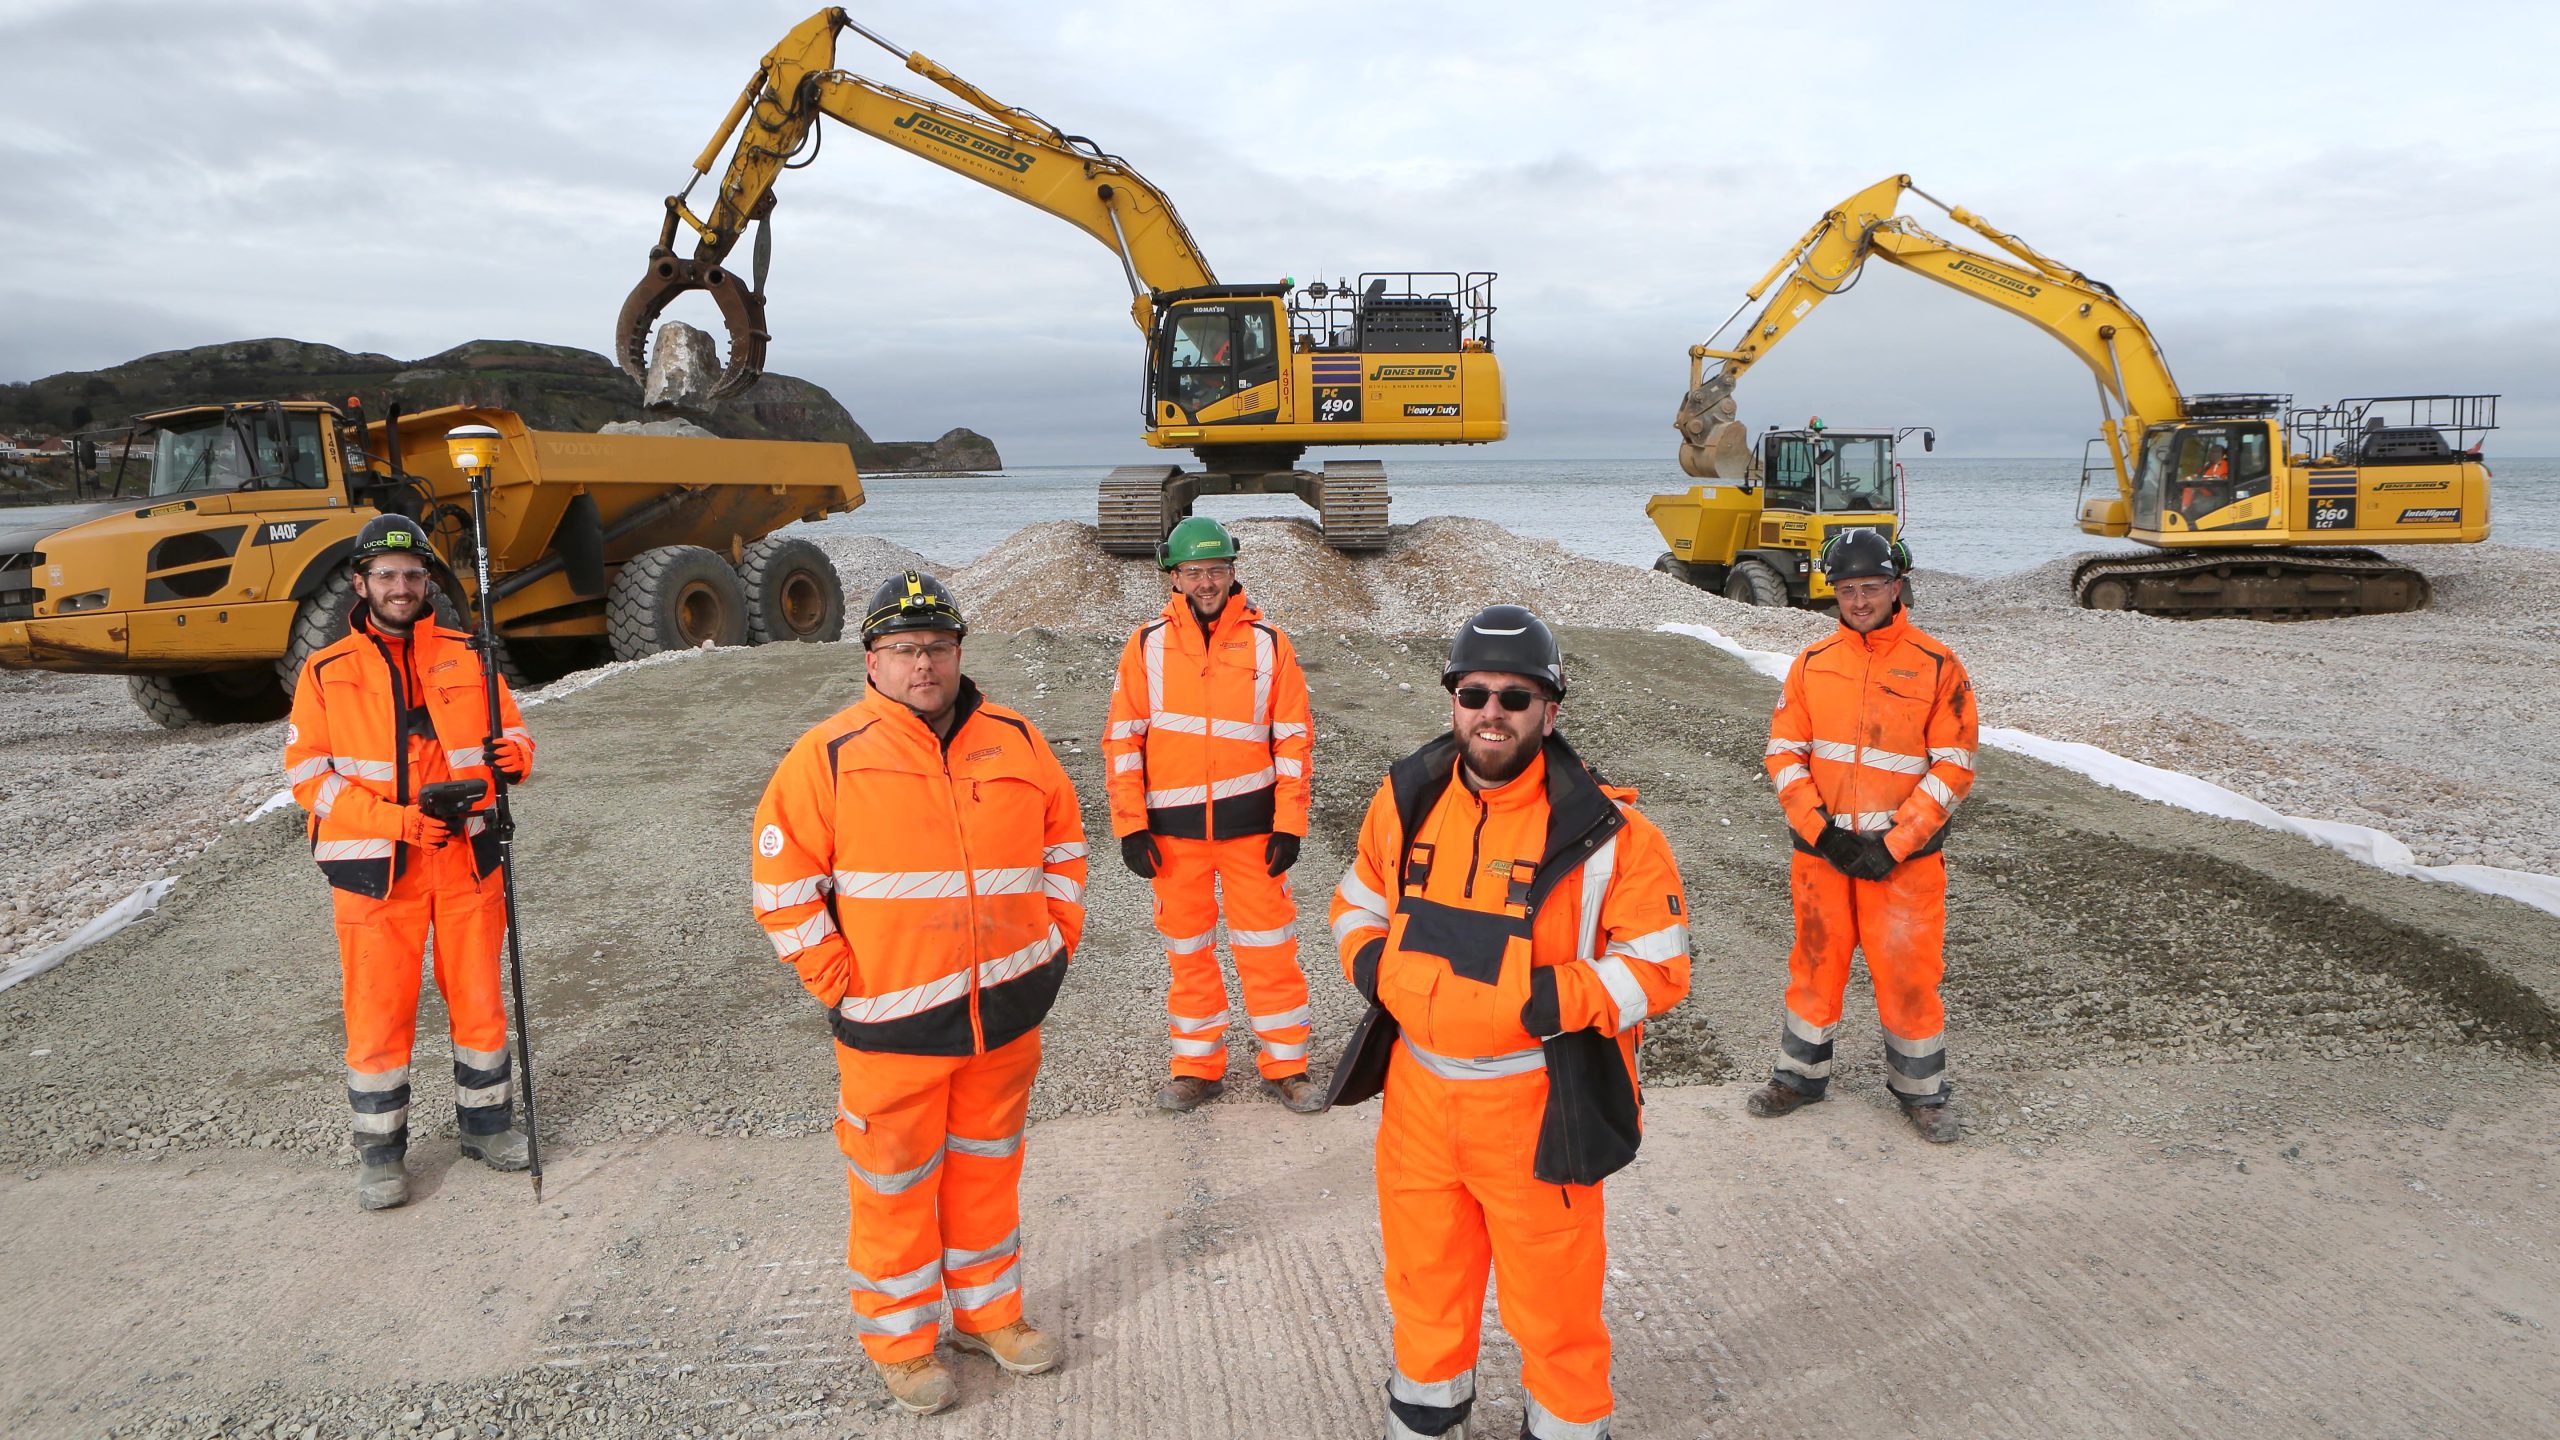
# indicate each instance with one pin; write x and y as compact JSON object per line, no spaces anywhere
{"x":1354,"y":509}
{"x":2258,"y":585}
{"x":1131,"y":509}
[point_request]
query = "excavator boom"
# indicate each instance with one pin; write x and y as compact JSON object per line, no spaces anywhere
{"x":1003,"y":147}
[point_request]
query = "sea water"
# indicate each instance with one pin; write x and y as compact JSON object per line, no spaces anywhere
{"x":1972,"y":517}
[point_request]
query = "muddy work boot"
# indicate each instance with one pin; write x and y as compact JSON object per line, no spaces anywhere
{"x":919,"y":1386}
{"x":1936,"y":1123}
{"x":1297,"y":1092}
{"x":505,"y":1150}
{"x":1021,"y":1348}
{"x":1773,"y":1100}
{"x":383,"y":1183}
{"x":1188,"y":1092}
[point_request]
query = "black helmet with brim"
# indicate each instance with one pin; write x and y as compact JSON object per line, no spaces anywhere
{"x":1509,"y":640}
{"x":911,"y":601}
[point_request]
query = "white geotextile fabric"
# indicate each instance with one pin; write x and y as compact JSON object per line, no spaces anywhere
{"x":117,"y":916}
{"x":2170,"y":787}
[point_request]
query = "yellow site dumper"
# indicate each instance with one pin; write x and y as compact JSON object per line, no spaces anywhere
{"x":216,"y":564}
{"x":1758,"y":537}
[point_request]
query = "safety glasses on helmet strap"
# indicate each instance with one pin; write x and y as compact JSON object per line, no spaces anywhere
{"x":1476,"y":697}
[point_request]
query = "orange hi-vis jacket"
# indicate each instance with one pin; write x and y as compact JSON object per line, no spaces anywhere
{"x":928,"y":891}
{"x":1209,"y":735}
{"x":1874,"y":733}
{"x":366,"y":736}
{"x":1550,"y":888}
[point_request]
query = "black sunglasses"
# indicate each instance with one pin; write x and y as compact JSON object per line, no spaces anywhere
{"x":1476,"y":697}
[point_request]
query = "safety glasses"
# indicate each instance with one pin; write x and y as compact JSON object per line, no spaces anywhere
{"x":1476,"y":697}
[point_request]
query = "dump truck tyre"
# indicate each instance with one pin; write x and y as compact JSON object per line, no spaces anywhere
{"x":249,"y":696}
{"x":1754,"y":583}
{"x":322,"y":622}
{"x":676,"y":597}
{"x":793,"y":592}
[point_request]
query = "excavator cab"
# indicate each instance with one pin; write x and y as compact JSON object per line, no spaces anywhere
{"x":1217,"y":358}
{"x":1757,"y":541}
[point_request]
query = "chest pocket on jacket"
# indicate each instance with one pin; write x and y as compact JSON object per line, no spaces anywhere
{"x":1902,"y":710}
{"x":1003,"y":804}
{"x":1471,"y":941}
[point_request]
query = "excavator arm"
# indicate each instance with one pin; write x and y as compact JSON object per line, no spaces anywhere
{"x":2135,"y":387}
{"x":776,"y":119}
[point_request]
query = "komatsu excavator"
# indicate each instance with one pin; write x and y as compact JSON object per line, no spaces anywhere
{"x":1245,"y":377}
{"x":2231,"y":489}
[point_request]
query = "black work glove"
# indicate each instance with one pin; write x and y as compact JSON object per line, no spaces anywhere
{"x":1138,"y":852}
{"x":1841,"y":848}
{"x":1874,"y":861}
{"x":1280,"y":852}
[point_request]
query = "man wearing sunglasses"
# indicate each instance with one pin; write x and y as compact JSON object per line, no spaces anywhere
{"x":920,"y":861}
{"x":1515,"y":920}
{"x":394,"y":706}
{"x":1208,"y":744}
{"x":1871,"y":749}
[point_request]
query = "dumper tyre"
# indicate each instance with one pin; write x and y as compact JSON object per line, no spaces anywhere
{"x":1677,"y":569}
{"x":676,"y":597}
{"x":793,"y":592}
{"x":247,"y":696}
{"x":1754,"y":583}
{"x":322,"y":622}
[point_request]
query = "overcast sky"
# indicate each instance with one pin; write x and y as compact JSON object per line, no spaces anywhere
{"x":2331,"y":199}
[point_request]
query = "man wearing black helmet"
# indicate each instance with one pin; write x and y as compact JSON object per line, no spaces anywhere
{"x":1871,"y":750}
{"x":920,"y":862}
{"x":394,"y":706}
{"x":1513,"y":920}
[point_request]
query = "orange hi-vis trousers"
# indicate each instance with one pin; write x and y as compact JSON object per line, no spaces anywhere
{"x":1192,"y":878}
{"x":1900,"y":922}
{"x":1455,"y":1195}
{"x":933,"y":1154}
{"x":381,"y":946}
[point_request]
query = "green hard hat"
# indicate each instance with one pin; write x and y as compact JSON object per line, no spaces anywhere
{"x":1196,"y":538}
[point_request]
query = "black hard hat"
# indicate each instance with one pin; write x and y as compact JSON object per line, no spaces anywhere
{"x":911,"y":601}
{"x":391,"y":535}
{"x":1509,"y":639}
{"x":1863,"y":554}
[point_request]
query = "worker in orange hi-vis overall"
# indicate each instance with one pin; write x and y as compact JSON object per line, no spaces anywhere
{"x":393,"y":707}
{"x":1512,"y":920}
{"x":1207,"y":745}
{"x":1871,"y":749}
{"x":919,"y":860}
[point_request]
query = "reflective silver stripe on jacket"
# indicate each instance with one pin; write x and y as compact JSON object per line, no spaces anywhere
{"x":1864,"y":820}
{"x":363,"y":769}
{"x":1061,"y":854}
{"x":311,"y":769}
{"x":872,"y":1009}
{"x":901,"y":884}
{"x":787,"y":943}
{"x":1951,"y":755}
{"x":354,"y":850}
{"x":788,"y":893}
{"x":1481,"y":1067}
{"x":1368,"y":907}
{"x":327,"y":800}
{"x":465,"y":757}
{"x":1127,"y":729}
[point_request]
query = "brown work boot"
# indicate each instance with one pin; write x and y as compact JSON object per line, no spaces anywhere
{"x":1297,"y":1092}
{"x":1188,"y":1092}
{"x":1021,"y":1347}
{"x":1936,"y":1123}
{"x":920,"y":1386}
{"x":1773,"y":1100}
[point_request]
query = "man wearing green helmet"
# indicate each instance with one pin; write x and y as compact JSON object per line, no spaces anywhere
{"x":1208,"y":745}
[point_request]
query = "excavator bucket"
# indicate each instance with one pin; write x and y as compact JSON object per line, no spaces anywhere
{"x":741,"y":310}
{"x":1713,"y":444}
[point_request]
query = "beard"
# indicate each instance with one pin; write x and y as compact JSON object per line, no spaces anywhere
{"x":1498,"y":762}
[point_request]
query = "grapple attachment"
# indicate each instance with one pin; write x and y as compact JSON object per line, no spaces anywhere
{"x":741,"y":311}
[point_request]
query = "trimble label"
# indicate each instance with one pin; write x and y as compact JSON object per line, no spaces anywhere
{"x":1993,"y":277}
{"x":1414,"y":372}
{"x":2432,"y":515}
{"x":970,"y":142}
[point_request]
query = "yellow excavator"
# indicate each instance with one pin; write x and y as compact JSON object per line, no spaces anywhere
{"x":1245,"y":377}
{"x":2232,"y":491}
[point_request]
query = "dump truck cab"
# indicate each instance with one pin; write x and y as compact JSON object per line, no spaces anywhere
{"x":1760,"y":541}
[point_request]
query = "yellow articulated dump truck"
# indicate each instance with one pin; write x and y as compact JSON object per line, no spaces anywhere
{"x":215,"y":564}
